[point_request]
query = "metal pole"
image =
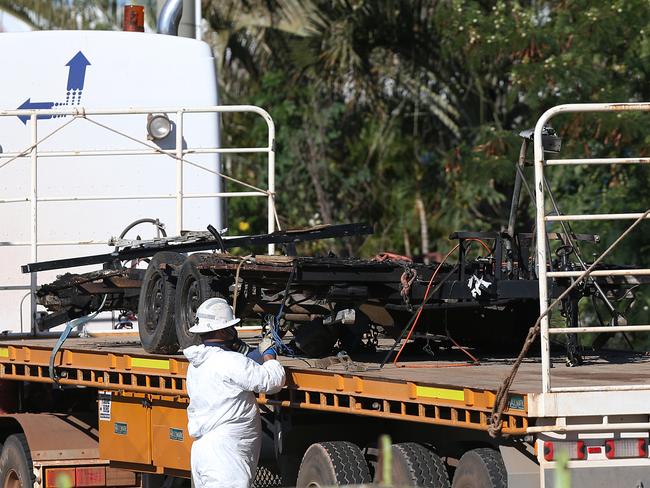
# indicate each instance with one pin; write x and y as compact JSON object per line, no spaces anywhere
{"x":541,"y":252}
{"x":271,"y":178}
{"x":514,"y":205}
{"x":197,"y":20}
{"x":34,"y":218}
{"x":179,"y":172}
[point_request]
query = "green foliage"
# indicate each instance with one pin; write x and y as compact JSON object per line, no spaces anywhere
{"x":383,"y":104}
{"x":423,"y":98}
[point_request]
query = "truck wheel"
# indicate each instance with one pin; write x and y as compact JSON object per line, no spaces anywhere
{"x":156,"y":304}
{"x":16,"y":469}
{"x":315,"y":339}
{"x":481,"y":468}
{"x":415,"y":465}
{"x":193,"y":288}
{"x":337,"y":463}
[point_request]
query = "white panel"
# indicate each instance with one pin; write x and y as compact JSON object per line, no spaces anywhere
{"x":125,"y":70}
{"x":576,"y":404}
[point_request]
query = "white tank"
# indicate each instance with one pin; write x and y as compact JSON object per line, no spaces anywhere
{"x":97,"y":70}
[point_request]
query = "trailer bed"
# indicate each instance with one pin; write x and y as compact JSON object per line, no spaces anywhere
{"x":445,"y":392}
{"x":611,"y":367}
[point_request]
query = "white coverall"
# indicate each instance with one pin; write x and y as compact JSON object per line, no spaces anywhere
{"x":223,"y":416}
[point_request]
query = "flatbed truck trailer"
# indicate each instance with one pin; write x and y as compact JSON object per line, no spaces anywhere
{"x":437,"y":414}
{"x":117,"y":410}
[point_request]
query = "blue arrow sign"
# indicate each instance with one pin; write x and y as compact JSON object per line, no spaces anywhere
{"x":29,"y":105}
{"x":77,"y":73}
{"x":76,"y":78}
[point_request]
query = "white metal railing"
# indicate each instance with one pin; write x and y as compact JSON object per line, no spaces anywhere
{"x":179,"y":154}
{"x":541,"y":221}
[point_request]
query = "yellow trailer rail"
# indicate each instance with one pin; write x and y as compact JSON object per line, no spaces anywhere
{"x":307,"y":388}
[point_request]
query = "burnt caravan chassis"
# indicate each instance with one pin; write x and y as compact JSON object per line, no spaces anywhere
{"x":488,"y":302}
{"x":325,"y":300}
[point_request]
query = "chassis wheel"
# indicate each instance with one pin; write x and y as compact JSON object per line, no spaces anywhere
{"x":415,"y":465}
{"x":315,"y":339}
{"x":332,"y":464}
{"x":481,"y":468}
{"x":192,"y":290}
{"x":156,"y":304}
{"x":16,"y":469}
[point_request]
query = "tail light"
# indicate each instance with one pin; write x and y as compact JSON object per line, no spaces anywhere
{"x":91,"y":476}
{"x":626,"y":448}
{"x":575,"y":450}
{"x":60,"y":477}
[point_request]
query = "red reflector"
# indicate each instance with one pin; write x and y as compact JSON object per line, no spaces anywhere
{"x":91,"y":476}
{"x":610,"y":449}
{"x":643,"y":448}
{"x":548,"y":451}
{"x":595,"y":450}
{"x":57,"y":477}
{"x":581,"y":452}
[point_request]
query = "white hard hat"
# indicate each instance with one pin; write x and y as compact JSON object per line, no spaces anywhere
{"x":213,"y":314}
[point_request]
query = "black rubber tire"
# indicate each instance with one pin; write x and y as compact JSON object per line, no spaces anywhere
{"x":156,"y":304}
{"x":415,"y":465}
{"x":315,"y":339}
{"x":192,"y":289}
{"x":480,"y":468}
{"x":16,"y":463}
{"x":337,"y":463}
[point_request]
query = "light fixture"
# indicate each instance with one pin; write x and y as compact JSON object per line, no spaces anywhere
{"x":158,"y":126}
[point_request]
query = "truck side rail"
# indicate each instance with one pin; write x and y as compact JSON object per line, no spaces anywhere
{"x":307,"y":388}
{"x":542,"y":219}
{"x":137,"y":148}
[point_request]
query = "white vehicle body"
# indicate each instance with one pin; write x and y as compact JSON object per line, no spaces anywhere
{"x":83,"y":201}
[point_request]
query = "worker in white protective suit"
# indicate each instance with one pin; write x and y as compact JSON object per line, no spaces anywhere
{"x":223,"y":416}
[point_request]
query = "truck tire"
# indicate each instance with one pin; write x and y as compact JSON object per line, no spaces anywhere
{"x":481,"y":468}
{"x":337,"y":463}
{"x":415,"y":465}
{"x":16,"y":469}
{"x":156,"y":304}
{"x":192,"y":289}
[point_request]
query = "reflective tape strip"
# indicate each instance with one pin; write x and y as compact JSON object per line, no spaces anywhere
{"x":207,"y":316}
{"x":4,"y":352}
{"x":150,"y":363}
{"x":441,"y":393}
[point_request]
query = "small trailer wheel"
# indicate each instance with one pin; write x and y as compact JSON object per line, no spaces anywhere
{"x":16,"y":469}
{"x":156,"y":304}
{"x":415,"y":465}
{"x":337,"y":463}
{"x":481,"y":468}
{"x":192,"y":289}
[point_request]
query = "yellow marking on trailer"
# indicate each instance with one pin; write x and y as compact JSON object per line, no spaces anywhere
{"x":4,"y":352}
{"x":441,"y":393}
{"x":150,"y":363}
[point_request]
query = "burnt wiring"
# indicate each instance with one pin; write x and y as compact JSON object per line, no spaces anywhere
{"x":427,"y":297}
{"x":274,"y":322}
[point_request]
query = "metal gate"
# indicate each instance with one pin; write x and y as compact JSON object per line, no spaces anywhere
{"x":176,"y":153}
{"x":542,"y":219}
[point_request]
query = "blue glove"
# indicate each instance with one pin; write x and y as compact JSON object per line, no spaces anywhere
{"x":255,"y":355}
{"x":271,"y":352}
